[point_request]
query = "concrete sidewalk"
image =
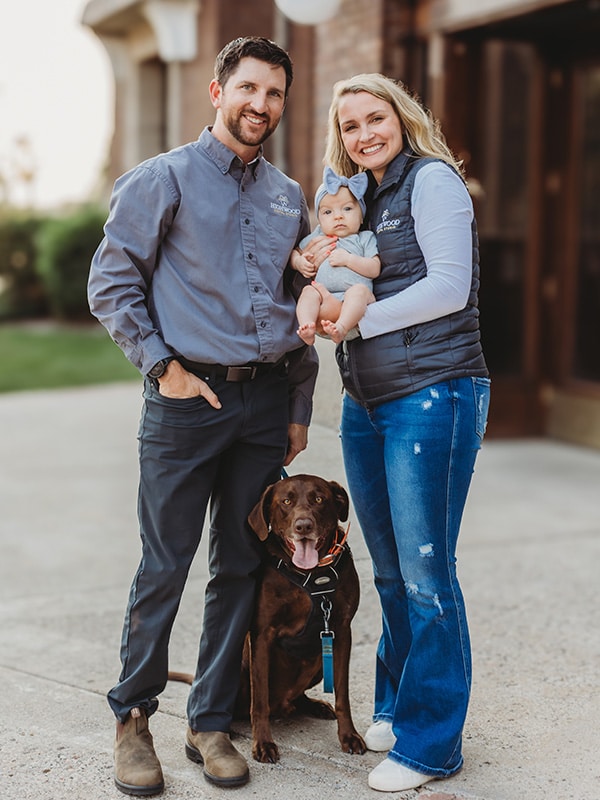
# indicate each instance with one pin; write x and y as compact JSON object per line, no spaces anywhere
{"x":528,"y":559}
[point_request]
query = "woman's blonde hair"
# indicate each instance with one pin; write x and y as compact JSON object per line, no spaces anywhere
{"x":420,"y":130}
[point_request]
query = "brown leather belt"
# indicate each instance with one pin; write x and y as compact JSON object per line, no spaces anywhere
{"x":241,"y":374}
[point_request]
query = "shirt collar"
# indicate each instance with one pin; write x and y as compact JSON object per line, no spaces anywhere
{"x":225,"y":159}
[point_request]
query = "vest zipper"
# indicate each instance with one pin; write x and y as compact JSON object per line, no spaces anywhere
{"x":408,"y":337}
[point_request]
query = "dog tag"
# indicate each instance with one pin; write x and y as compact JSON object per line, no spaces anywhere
{"x":322,"y":580}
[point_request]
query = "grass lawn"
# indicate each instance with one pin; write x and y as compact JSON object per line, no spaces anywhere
{"x":46,"y":355}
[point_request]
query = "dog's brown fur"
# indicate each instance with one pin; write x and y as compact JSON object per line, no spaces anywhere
{"x":298,"y":513}
{"x":297,"y":508}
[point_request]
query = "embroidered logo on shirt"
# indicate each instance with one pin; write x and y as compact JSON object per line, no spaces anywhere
{"x":387,"y":224}
{"x":281,"y":206}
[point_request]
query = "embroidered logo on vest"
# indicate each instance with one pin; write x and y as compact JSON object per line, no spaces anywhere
{"x":386,"y":223}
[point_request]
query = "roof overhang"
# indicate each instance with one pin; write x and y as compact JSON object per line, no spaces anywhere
{"x":173,"y":23}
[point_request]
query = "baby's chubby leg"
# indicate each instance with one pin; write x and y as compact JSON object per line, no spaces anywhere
{"x":331,"y":306}
{"x":307,"y":312}
{"x":356,"y":300}
{"x":315,"y":304}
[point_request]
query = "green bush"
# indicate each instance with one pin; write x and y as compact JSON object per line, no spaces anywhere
{"x":65,"y":248}
{"x":22,"y":292}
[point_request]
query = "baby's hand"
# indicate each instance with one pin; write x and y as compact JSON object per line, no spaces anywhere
{"x":304,"y":263}
{"x":319,"y":248}
{"x":338,"y":257}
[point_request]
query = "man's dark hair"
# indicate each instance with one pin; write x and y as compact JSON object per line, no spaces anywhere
{"x":252,"y":47}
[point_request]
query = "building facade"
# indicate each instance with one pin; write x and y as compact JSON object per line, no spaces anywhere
{"x":516,"y":86}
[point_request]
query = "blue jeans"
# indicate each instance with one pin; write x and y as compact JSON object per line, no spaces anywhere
{"x":408,"y":465}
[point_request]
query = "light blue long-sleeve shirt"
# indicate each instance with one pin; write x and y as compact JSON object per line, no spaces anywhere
{"x":193,"y":263}
{"x":443,"y":213}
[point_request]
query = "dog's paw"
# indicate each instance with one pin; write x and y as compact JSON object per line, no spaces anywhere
{"x":265,"y":752}
{"x":353,"y":743}
{"x":314,"y":708}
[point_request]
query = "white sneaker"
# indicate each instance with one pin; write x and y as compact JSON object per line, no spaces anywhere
{"x":380,"y":737}
{"x":390,"y":776}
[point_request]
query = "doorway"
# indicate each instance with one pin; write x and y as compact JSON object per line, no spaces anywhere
{"x":523,"y":107}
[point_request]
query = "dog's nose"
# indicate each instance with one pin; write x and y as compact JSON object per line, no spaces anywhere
{"x":303,"y":526}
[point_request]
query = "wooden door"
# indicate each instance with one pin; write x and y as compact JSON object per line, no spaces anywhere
{"x":494,"y":118}
{"x":522,"y":107}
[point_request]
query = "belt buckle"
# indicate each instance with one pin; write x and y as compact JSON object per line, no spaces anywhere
{"x":240,"y":374}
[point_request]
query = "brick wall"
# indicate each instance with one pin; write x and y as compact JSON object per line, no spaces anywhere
{"x":349,"y":44}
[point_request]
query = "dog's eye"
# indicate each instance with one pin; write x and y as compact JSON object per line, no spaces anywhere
{"x":287,"y":501}
{"x":318,"y":499}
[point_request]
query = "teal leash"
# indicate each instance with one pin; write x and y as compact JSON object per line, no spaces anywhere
{"x":327,"y":637}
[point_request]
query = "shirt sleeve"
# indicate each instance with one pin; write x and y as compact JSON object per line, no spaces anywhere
{"x":303,"y":366}
{"x":443,"y":215}
{"x":368,"y":242}
{"x":142,"y":208}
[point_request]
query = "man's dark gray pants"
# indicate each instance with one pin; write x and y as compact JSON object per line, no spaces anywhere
{"x":190,"y":454}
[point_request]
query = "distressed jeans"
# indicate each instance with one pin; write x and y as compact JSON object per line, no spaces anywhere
{"x":409,"y":464}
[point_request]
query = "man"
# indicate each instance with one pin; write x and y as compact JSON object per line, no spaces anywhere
{"x":190,"y":282}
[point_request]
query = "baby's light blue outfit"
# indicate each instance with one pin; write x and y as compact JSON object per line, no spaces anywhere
{"x":338,"y":279}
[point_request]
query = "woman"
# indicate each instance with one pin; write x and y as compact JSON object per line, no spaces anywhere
{"x":414,"y":414}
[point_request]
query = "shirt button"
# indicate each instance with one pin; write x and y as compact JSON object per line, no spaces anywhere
{"x":250,"y":256}
{"x":263,"y":324}
{"x":247,"y":222}
{"x":257,"y":288}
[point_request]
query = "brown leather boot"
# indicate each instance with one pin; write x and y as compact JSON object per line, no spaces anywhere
{"x":137,"y":769}
{"x":223,"y":765}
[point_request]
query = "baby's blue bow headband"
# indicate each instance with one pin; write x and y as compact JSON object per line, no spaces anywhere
{"x":332,"y":183}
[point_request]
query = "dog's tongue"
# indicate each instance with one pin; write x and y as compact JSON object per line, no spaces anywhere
{"x":305,"y":555}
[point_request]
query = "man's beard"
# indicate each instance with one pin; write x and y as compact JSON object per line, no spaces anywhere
{"x":235,"y":127}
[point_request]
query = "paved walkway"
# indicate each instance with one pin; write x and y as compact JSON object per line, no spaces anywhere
{"x":529,"y":560}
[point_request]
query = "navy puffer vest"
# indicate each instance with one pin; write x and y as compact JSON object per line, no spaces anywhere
{"x":398,"y":363}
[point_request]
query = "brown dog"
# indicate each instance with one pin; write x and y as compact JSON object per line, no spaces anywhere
{"x":308,"y":584}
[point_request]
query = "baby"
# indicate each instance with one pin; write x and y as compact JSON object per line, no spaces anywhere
{"x":336,"y":300}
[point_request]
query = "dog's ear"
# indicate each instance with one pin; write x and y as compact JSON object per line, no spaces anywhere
{"x":258,"y":519}
{"x":341,"y":500}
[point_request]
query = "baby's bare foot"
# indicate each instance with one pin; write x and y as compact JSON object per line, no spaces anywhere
{"x":307,"y":332}
{"x":334,"y":330}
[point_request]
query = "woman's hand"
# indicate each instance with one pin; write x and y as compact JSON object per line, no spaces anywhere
{"x":320,"y":248}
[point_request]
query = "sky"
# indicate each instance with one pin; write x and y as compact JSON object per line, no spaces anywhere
{"x":56,"y":92}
